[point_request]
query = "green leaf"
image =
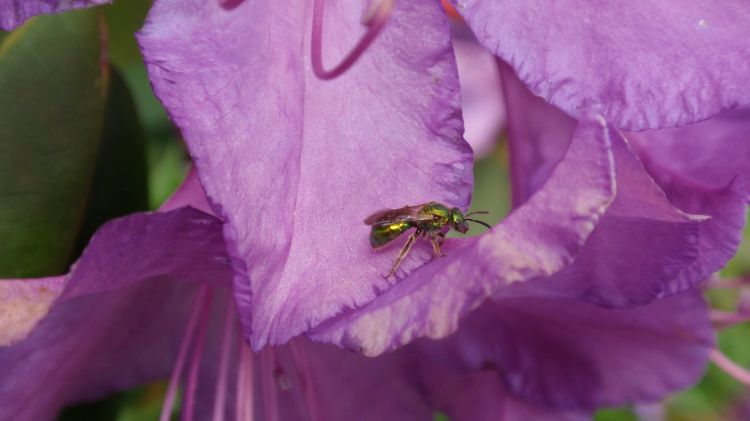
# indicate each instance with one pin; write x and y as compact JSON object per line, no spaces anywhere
{"x":439,"y":416}
{"x":52,"y":97}
{"x":168,"y":160}
{"x":124,"y":18}
{"x":615,"y":414}
{"x":120,"y":184}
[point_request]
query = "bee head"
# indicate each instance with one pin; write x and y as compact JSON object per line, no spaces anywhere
{"x":457,"y":221}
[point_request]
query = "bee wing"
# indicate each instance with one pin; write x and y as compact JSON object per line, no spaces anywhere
{"x":392,"y":215}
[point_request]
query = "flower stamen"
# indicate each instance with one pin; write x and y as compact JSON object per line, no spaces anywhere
{"x":200,"y":342}
{"x":300,"y":359}
{"x":245,"y":410}
{"x":724,"y":319}
{"x":730,"y":367}
{"x":202,"y":299}
{"x":268,"y":384}
{"x":221,"y":382}
{"x":729,"y":283}
{"x":374,"y":18}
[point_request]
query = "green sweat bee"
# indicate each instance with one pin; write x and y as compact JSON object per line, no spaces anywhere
{"x":431,"y":220}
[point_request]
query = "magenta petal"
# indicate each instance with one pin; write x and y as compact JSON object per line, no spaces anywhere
{"x":570,"y":354}
{"x":294,"y":164}
{"x":16,"y":12}
{"x":642,"y":64}
{"x":536,"y":240}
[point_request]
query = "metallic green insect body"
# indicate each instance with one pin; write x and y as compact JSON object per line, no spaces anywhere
{"x":431,"y":220}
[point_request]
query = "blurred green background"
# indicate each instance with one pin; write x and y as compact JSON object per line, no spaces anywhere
{"x":134,"y":159}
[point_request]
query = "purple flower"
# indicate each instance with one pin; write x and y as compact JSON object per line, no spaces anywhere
{"x":119,"y":319}
{"x":293,"y":164}
{"x":16,"y":12}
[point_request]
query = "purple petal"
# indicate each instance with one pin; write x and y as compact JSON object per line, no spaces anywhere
{"x":92,"y":345}
{"x":536,"y":240}
{"x":302,"y":380}
{"x":481,"y":92}
{"x":343,"y":385}
{"x":641,"y":64}
{"x":117,"y":318}
{"x":23,"y":303}
{"x":177,"y":242}
{"x":481,"y":396}
{"x":720,"y":236}
{"x":644,"y":247}
{"x":294,"y":164}
{"x":189,"y":193}
{"x":538,"y":136}
{"x":410,"y":384}
{"x":708,"y":155}
{"x":16,"y":12}
{"x":703,"y":169}
{"x":570,"y":354}
{"x":184,"y":243}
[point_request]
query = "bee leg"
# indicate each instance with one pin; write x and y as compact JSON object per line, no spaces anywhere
{"x":434,"y":239}
{"x":402,"y":254}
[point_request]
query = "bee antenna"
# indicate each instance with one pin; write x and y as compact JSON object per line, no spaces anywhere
{"x":478,"y":222}
{"x":478,"y":213}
